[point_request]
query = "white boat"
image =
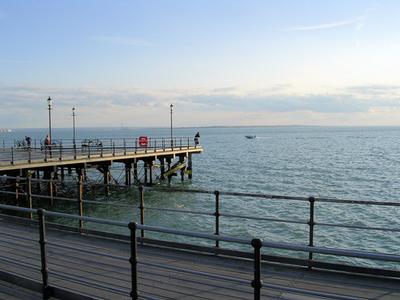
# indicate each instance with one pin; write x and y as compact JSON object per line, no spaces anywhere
{"x":250,"y":137}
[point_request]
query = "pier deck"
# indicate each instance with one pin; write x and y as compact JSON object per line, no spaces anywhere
{"x":52,"y":160}
{"x":38,"y":160}
{"x":108,"y":276}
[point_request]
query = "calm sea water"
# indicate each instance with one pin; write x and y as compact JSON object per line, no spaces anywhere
{"x":344,"y":162}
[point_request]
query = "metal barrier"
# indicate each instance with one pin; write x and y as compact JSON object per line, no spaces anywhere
{"x":66,"y":149}
{"x":217,"y":215}
{"x":48,"y":289}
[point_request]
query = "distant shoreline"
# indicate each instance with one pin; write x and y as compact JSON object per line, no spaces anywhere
{"x":211,"y":126}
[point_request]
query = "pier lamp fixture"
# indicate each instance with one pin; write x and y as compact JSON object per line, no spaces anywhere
{"x":50,"y":103}
{"x":172,"y":141}
{"x":73,"y":126}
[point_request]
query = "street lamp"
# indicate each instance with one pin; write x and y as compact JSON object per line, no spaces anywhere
{"x":73,"y":126}
{"x":172,"y":143}
{"x":49,"y":103}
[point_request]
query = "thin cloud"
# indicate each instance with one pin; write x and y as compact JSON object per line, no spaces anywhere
{"x":359,"y":22}
{"x":122,"y":40}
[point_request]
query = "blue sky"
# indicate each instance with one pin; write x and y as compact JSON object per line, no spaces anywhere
{"x":220,"y":62}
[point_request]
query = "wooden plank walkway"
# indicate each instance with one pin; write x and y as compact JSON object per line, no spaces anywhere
{"x":9,"y":291}
{"x":107,"y":276}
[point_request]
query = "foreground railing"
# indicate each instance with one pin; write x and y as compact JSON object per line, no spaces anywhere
{"x":217,"y":196}
{"x":48,"y":290}
{"x":66,"y":149}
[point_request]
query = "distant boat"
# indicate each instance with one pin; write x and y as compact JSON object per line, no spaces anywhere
{"x":250,"y":137}
{"x":5,"y":130}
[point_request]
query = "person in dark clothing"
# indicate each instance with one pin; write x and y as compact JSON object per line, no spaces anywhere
{"x":28,"y":141}
{"x":196,"y":138}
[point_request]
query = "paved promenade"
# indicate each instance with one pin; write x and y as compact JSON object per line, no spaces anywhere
{"x":99,"y":268}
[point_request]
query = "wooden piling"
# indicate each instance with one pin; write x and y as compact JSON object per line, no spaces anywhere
{"x":162,"y":168}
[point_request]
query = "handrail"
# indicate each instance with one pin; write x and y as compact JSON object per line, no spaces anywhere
{"x":18,"y":152}
{"x":256,"y":243}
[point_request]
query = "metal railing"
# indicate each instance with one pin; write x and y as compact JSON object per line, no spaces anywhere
{"x":217,"y":196}
{"x":48,"y":290}
{"x":65,"y":149}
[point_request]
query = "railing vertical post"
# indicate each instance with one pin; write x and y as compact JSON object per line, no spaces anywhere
{"x":155,"y":145}
{"x":133,"y":261}
{"x":80,"y":198}
{"x":101,"y":150}
{"x":180,"y":143}
{"x":141,"y":207}
{"x":12,"y":155}
{"x":29,"y":155}
{"x":135,"y":145}
{"x":188,"y":140}
{"x":61,"y":152}
{"x":43,"y":254}
{"x":74,"y":151}
{"x":217,"y":215}
{"x":88,"y":150}
{"x":45,"y":153}
{"x":163,"y":144}
{"x":257,"y":282}
{"x":124,"y":146}
{"x":311,"y":224}
{"x":113,"y":149}
{"x":29,"y":194}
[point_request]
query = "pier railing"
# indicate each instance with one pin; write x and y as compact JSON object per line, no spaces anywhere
{"x":23,"y":189}
{"x":68,"y":149}
{"x":49,"y":290}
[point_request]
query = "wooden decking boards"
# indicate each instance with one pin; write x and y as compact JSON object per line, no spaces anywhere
{"x":108,"y":277}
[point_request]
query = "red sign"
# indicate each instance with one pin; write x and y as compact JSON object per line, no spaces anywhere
{"x":143,"y":140}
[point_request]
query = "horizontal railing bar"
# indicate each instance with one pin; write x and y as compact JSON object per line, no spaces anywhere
{"x":364,"y":202}
{"x":11,"y":193}
{"x":357,"y":227}
{"x":204,"y":274}
{"x":54,"y":197}
{"x":87,"y":219}
{"x":279,"y":197}
{"x":194,"y":234}
{"x":263,"y":219}
{"x":17,"y":208}
{"x":180,"y":211}
{"x":333,"y":251}
{"x":108,"y":203}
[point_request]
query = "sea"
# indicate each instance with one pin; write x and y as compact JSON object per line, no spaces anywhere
{"x":356,"y":163}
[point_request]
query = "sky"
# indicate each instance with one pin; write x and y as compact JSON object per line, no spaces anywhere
{"x":219,"y":62}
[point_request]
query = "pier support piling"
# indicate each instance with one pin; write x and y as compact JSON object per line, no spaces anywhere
{"x":162,"y":168}
{"x":189,"y":166}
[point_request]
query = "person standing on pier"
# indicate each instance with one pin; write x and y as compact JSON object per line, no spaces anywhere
{"x":47,"y":141}
{"x":196,"y":138}
{"x":28,"y":141}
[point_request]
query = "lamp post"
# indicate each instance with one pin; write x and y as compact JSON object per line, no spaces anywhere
{"x":172,"y":141}
{"x":49,"y":103}
{"x":73,"y":126}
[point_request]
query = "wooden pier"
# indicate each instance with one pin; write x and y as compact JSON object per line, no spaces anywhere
{"x":84,"y":266}
{"x":173,"y":156}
